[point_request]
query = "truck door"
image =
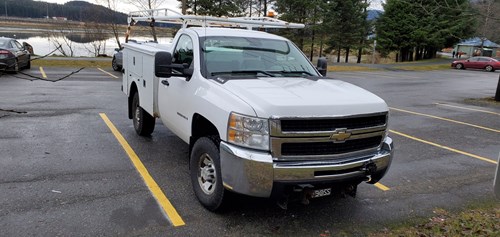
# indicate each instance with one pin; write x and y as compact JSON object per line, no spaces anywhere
{"x":173,"y":93}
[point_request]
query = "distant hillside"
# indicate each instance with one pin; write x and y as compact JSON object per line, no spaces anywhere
{"x":74,"y":10}
{"x":373,"y":14}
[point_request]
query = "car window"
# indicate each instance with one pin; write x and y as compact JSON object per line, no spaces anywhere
{"x":183,"y":52}
{"x":4,"y":43}
{"x":17,"y":45}
{"x":484,"y":59}
{"x":473,"y":59}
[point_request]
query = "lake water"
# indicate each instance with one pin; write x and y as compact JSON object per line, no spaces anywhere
{"x":81,"y":44}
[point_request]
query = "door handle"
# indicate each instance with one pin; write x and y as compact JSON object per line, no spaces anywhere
{"x":165,"y":82}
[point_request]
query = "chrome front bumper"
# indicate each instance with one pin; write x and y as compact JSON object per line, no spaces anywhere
{"x":254,"y":172}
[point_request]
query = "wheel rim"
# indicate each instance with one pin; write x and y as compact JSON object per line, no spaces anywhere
{"x":207,"y":176}
{"x":459,"y":66}
{"x":114,"y":64}
{"x":488,"y":68}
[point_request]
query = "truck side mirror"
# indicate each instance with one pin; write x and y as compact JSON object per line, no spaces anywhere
{"x":322,"y":66}
{"x":163,"y":62}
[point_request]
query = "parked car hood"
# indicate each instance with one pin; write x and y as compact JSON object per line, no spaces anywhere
{"x":301,"y":97}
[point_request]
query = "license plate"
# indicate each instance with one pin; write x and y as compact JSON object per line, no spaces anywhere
{"x":321,"y":193}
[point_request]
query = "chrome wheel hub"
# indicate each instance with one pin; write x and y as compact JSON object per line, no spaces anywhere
{"x":207,"y":177}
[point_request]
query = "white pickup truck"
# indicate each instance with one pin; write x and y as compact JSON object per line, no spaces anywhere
{"x":258,"y":117}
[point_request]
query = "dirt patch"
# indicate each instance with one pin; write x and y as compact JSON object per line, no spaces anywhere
{"x":483,"y":101}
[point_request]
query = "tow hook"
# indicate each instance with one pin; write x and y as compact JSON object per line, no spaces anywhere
{"x":283,"y":202}
{"x":369,"y":168}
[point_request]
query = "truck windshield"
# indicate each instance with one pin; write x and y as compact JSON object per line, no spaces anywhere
{"x":234,"y":57}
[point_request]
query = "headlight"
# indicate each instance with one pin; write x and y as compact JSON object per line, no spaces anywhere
{"x":248,"y":131}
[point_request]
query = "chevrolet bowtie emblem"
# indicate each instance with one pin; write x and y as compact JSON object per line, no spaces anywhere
{"x":340,"y":135}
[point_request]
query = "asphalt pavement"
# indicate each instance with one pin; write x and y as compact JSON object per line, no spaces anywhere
{"x":63,"y":172}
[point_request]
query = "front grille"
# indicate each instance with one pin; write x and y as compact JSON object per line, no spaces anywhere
{"x":329,"y":148}
{"x":310,"y":125}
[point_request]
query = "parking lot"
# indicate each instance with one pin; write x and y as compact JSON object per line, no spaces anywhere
{"x":72,"y":164}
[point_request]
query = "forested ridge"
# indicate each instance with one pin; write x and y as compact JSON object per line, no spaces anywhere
{"x":73,"y":10}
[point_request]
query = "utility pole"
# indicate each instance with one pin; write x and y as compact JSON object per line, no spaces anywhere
{"x":497,"y":94}
{"x":6,"y":15}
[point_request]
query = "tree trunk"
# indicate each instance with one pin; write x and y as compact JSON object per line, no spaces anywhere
{"x":347,"y":55}
{"x":265,"y":8}
{"x":312,"y":46}
{"x":397,"y":57}
{"x":360,"y":51}
{"x":321,"y":46}
{"x":338,"y":54}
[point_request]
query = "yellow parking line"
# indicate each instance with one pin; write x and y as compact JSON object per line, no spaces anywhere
{"x":165,"y":204}
{"x":43,"y":73}
{"x":466,"y":108}
{"x":382,"y":187}
{"x":107,"y":73}
{"x":445,"y":147}
{"x":446,"y":119}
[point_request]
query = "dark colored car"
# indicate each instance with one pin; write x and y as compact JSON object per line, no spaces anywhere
{"x":117,"y":62}
{"x":13,"y":55}
{"x":486,"y":63}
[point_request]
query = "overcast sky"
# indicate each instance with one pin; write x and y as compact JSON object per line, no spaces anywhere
{"x":375,"y":4}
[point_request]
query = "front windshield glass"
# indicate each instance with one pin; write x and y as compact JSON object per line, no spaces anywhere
{"x":232,"y":57}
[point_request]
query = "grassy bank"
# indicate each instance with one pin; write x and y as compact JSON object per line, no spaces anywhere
{"x":424,"y":67}
{"x":71,"y":63}
{"x":482,"y":220}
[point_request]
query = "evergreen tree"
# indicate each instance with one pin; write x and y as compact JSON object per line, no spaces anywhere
{"x":420,"y":28}
{"x":346,"y":20}
{"x":218,"y":8}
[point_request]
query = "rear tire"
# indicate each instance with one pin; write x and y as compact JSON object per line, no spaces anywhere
{"x":206,"y":176}
{"x":459,"y":66}
{"x":489,"y":68}
{"x":144,"y":123}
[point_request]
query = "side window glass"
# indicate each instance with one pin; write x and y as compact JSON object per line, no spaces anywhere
{"x":183,"y":52}
{"x":18,"y":45}
{"x":11,"y":45}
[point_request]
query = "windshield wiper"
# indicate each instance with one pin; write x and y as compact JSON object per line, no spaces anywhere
{"x":244,"y":72}
{"x":294,"y":72}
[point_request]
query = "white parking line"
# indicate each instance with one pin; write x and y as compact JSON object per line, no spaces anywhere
{"x":467,"y":108}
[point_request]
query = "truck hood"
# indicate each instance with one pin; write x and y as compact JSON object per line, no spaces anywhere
{"x":300,"y":97}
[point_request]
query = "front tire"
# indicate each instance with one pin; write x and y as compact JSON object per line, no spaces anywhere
{"x":459,"y":66}
{"x":206,"y":175}
{"x":114,"y":64}
{"x":144,"y":123}
{"x":28,"y":65}
{"x":489,"y":68}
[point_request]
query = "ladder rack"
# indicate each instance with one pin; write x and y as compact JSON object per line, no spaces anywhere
{"x":166,"y":15}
